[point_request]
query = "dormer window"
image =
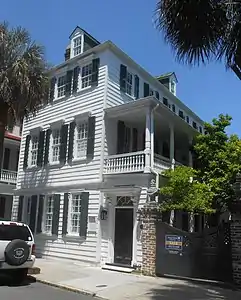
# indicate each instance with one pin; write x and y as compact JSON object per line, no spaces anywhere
{"x":173,"y":87}
{"x":77,"y":45}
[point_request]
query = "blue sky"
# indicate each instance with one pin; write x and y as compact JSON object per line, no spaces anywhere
{"x":208,"y":91}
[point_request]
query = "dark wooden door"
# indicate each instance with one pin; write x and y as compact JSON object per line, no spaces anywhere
{"x":2,"y":206}
{"x":123,"y":236}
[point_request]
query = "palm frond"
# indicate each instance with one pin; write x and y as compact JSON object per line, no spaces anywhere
{"x":193,"y":28}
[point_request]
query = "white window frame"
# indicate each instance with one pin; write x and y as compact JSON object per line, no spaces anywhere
{"x":44,"y":223}
{"x":70,"y":213}
{"x":33,"y":150}
{"x":77,"y":49}
{"x":51,"y":147}
{"x":63,"y":86}
{"x":129,"y":83}
{"x":85,"y":81}
{"x":84,"y":124}
{"x":77,"y":36}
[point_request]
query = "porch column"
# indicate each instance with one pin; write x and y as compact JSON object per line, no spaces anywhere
{"x":172,"y":143}
{"x":148,"y":141}
{"x":152,"y":139}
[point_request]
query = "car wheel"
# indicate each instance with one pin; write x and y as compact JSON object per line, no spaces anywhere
{"x":20,"y":275}
{"x":17,"y":252}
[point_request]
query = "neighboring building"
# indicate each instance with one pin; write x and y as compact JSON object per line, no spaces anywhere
{"x":90,"y":157}
{"x":8,"y":171}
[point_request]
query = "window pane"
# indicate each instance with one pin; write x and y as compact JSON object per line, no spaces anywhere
{"x":56,"y":140}
{"x":77,"y":46}
{"x":81,"y":139}
{"x":13,"y":232}
{"x":86,"y":75}
{"x":129,"y":84}
{"x":61,"y":86}
{"x":34,"y":150}
{"x":49,"y":214}
{"x":75,"y":214}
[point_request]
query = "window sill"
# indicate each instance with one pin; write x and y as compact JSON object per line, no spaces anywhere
{"x":59,"y":99}
{"x":74,"y":238}
{"x":32,"y":168}
{"x":46,"y":236}
{"x":79,"y":159}
{"x":54,"y":164}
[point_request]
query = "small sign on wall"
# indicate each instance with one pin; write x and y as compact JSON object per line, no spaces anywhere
{"x":173,"y":242}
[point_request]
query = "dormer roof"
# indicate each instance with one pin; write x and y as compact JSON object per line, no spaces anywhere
{"x":77,"y":28}
{"x":167,"y":75}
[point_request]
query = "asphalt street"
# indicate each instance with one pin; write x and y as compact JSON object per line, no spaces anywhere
{"x":37,"y":291}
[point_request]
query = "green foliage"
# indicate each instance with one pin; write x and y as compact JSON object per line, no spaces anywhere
{"x":218,"y":157}
{"x":183,"y":193}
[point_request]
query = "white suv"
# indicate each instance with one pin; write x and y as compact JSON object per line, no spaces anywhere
{"x":16,"y":249}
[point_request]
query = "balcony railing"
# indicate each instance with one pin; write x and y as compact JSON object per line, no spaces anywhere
{"x":125,"y":163}
{"x":8,"y":176}
{"x":161,"y":162}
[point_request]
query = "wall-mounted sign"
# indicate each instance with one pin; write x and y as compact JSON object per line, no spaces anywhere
{"x":173,"y":242}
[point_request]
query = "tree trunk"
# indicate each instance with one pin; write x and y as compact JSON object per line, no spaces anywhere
{"x":3,"y":124}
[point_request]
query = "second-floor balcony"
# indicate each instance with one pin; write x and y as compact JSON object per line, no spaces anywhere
{"x":8,"y":177}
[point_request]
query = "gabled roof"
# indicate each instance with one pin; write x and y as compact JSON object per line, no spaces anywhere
{"x":85,"y":32}
{"x":167,"y":75}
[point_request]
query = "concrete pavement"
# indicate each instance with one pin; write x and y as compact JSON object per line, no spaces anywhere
{"x":118,"y":286}
{"x":36,"y":291}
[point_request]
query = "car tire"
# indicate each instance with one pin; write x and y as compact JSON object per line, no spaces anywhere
{"x":17,"y":252}
{"x":20,"y":275}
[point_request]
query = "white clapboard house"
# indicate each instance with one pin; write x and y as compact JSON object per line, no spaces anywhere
{"x":90,"y":157}
{"x":8,"y":170}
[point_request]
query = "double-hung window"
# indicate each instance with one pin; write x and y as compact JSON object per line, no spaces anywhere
{"x":86,"y":76}
{"x":81,"y":138}
{"x":56,"y":142}
{"x":61,"y":86}
{"x":74,"y":214}
{"x":48,"y":216}
{"x":129,"y":83}
{"x":77,"y":46}
{"x":34,"y":150}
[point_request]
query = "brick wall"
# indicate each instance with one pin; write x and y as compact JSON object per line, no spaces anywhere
{"x":149,"y":217}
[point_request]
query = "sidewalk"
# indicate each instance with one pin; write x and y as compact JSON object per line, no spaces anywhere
{"x":118,"y":286}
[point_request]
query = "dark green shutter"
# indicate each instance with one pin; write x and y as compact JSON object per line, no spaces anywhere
{"x":63,"y":146}
{"x":91,"y":137}
{"x":157,"y":95}
{"x":68,"y":85}
{"x":55,"y":221}
{"x":26,"y":151}
{"x":123,"y":77}
{"x":67,"y":54}
{"x":120,"y":137}
{"x":65,"y":214}
{"x":33,"y":212}
{"x":134,"y":139}
{"x":84,"y":214}
{"x":71,"y":140}
{"x":46,"y":151}
{"x":146,"y":89}
{"x":40,"y":213}
{"x":76,"y":79}
{"x":40,"y":149}
{"x":95,"y":71}
{"x":52,"y":89}
{"x":6,"y":158}
{"x":20,"y":208}
{"x":136,"y":90}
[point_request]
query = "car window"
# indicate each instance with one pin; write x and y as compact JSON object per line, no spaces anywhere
{"x":13,"y":232}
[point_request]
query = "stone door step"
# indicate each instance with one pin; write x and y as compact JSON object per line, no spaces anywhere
{"x":118,"y":268}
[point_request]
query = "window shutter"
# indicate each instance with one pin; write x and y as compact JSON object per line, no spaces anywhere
{"x":40,"y":149}
{"x":20,"y":208}
{"x":95,"y":71}
{"x":157,"y":95}
{"x":6,"y":158}
{"x":76,"y":79}
{"x":71,"y":141}
{"x":136,"y":90}
{"x":40,"y":213}
{"x":146,"y":89}
{"x":55,"y":221}
{"x":91,"y":137}
{"x":120,"y":137}
{"x":84,"y":214}
{"x":134,"y":139}
{"x":46,"y":151}
{"x":33,"y":212}
{"x":67,"y":54}
{"x":123,"y":77}
{"x":68,"y":85}
{"x":63,"y":146}
{"x":65,"y":214}
{"x":52,"y":89}
{"x":26,"y":151}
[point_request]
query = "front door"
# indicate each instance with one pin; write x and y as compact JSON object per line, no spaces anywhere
{"x":123,"y":235}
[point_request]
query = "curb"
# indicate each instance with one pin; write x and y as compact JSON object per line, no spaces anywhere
{"x":70,"y":289}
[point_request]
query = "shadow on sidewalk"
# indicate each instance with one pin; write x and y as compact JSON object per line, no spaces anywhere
{"x":6,"y":280}
{"x":187,"y":291}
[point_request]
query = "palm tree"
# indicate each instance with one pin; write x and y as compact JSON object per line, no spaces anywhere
{"x":202,"y":30}
{"x":23,"y":78}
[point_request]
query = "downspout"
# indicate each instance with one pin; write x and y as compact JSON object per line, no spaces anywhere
{"x":152,"y":149}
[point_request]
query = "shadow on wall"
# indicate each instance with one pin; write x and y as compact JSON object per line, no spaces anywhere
{"x":185,"y":290}
{"x":35,"y":178}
